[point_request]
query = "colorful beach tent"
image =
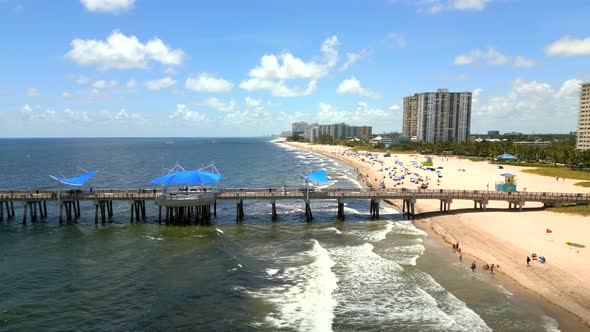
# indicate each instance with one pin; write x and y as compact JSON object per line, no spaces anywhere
{"x":76,"y":181}
{"x":506,"y":156}
{"x":320,"y":176}
{"x":197,"y":177}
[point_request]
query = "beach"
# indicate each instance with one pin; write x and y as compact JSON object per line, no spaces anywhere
{"x":498,"y":235}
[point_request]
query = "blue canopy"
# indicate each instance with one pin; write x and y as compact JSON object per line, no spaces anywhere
{"x":320,"y":176}
{"x":188,"y":177}
{"x":507,"y":174}
{"x":506,"y":156}
{"x":77,"y":181}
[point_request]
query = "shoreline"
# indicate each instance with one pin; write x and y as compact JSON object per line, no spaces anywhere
{"x":548,"y":282}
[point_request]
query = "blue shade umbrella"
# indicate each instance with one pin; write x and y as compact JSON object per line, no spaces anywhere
{"x":506,"y":156}
{"x":188,"y":177}
{"x":76,"y":181}
{"x":320,"y":176}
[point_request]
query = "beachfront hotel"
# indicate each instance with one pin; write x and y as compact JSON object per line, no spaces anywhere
{"x":337,"y":131}
{"x":437,"y":116}
{"x":583,"y":136}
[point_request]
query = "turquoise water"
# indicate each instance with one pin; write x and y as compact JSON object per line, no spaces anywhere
{"x":293,"y":276}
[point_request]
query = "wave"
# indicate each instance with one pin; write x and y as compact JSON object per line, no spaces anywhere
{"x":304,"y":300}
{"x":373,"y":289}
{"x":550,"y":324}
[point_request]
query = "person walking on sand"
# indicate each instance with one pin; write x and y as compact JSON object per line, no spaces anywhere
{"x":473,"y":266}
{"x":460,"y":257}
{"x":528,"y":261}
{"x":492,"y":269}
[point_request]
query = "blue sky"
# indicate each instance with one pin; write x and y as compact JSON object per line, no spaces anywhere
{"x":250,"y":68}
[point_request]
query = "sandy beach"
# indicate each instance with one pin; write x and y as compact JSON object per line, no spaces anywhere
{"x":497,"y":236}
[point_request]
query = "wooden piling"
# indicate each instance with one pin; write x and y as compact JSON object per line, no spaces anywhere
{"x":273,"y":211}
{"x":96,"y":213}
{"x":25,"y":213}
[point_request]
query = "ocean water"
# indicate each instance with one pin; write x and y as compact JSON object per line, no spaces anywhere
{"x":357,"y":275}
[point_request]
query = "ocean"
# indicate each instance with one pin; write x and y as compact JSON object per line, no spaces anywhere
{"x":356,"y":275}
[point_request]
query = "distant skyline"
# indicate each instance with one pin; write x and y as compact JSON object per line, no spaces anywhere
{"x":119,"y":68}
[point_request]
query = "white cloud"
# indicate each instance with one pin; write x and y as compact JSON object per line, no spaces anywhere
{"x":219,"y":105}
{"x":352,"y":58}
{"x":26,"y":109}
{"x":529,"y":106}
{"x":330,"y":50}
{"x":82,"y":80}
{"x":169,"y":71}
{"x":132,"y":83}
{"x":251,"y":102}
{"x":396,"y":40}
{"x":184,"y":113}
{"x":274,"y":70}
{"x":362,"y":114}
{"x":394,"y":108}
{"x":208,"y":83}
{"x":107,"y":6}
{"x":522,"y":62}
{"x":437,"y":6}
{"x":77,"y":117}
{"x":353,"y":86}
{"x":122,"y":52}
{"x":568,"y":46}
{"x":159,"y":84}
{"x":32,"y":92}
{"x":278,"y":88}
{"x":102,"y":84}
{"x":488,"y":57}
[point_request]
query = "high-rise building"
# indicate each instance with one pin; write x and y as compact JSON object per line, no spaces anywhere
{"x":336,"y":131}
{"x":298,"y":128}
{"x":437,"y":116}
{"x":583,"y":133}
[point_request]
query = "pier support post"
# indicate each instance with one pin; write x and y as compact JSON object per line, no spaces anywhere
{"x":131,"y":207}
{"x":96,"y":212}
{"x":308,"y":214}
{"x":160,"y":214}
{"x":25,"y":213}
{"x":215,"y":208}
{"x":2,"y":211}
{"x":33,"y":216}
{"x":240,"y":211}
{"x":340,"y":210}
{"x":12,"y":208}
{"x":273,"y":211}
{"x":61,"y":211}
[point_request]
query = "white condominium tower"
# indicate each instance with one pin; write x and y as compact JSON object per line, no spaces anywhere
{"x":583,"y":134}
{"x":437,"y":116}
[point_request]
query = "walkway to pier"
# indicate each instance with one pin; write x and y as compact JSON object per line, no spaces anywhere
{"x":185,"y":206}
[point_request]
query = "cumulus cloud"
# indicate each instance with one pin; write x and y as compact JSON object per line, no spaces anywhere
{"x":361,"y":114}
{"x":353,"y":57}
{"x":568,"y":46}
{"x":104,"y":84}
{"x":184,"y":113}
{"x":208,"y":83}
{"x":32,"y":92}
{"x":274,"y":70}
{"x":278,"y":88}
{"x":529,"y":105}
{"x":107,"y":6}
{"x":437,"y":6}
{"x":122,"y":52}
{"x":394,"y":108}
{"x":219,"y":105}
{"x":251,"y":102}
{"x":353,"y":86}
{"x":159,"y":84}
{"x":522,"y":62}
{"x":396,"y":40}
{"x":131,"y":83}
{"x":478,"y":56}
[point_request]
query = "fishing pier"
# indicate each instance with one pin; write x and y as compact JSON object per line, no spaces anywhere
{"x":198,"y":206}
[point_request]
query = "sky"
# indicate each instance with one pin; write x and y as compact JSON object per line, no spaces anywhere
{"x":148,"y":68}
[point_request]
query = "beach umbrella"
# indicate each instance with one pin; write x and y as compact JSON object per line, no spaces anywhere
{"x":77,"y":181}
{"x":320,"y":176}
{"x":197,"y":177}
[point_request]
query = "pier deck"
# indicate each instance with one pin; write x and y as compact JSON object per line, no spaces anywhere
{"x":189,"y":204}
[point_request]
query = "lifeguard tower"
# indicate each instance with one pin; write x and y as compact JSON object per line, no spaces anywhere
{"x":428,"y":161}
{"x":509,"y":184}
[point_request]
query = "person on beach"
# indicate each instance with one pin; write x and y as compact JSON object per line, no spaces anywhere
{"x":528,"y":261}
{"x":473,"y":266}
{"x":557,"y":178}
{"x":460,"y":257}
{"x":492,"y":269}
{"x":457,"y":245}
